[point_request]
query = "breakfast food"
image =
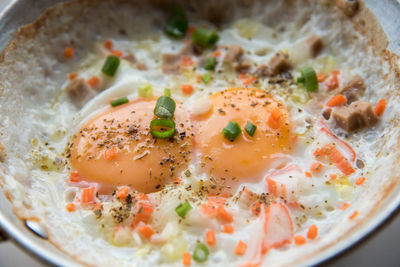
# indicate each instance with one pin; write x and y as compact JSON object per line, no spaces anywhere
{"x":239,"y":133}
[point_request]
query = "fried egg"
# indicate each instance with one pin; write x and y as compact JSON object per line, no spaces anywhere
{"x":111,"y":193}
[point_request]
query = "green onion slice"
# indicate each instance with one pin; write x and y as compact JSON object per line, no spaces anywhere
{"x":162,"y":128}
{"x":165,"y":107}
{"x":167,"y":92}
{"x":200,"y":253}
{"x":231,"y":131}
{"x":119,"y":101}
{"x":145,"y":90}
{"x":210,"y":63}
{"x":177,"y":24}
{"x":182,"y":209}
{"x":309,"y":79}
{"x":111,"y":65}
{"x":204,"y":37}
{"x":250,"y":128}
{"x":206,"y":78}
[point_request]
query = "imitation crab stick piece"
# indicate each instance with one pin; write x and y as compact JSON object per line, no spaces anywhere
{"x":74,"y":177}
{"x":340,"y":142}
{"x":70,"y":207}
{"x":87,"y":195}
{"x":108,"y":44}
{"x":228,"y":229}
{"x":321,"y":77}
{"x":316,"y":167}
{"x":380,"y":107}
{"x":299,"y":240}
{"x":122,"y":192}
{"x":360,"y":181}
{"x":146,"y":231}
{"x":186,"y":259}
{"x":187,"y":89}
{"x":210,"y":237}
{"x":278,"y":226}
{"x":69,"y":52}
{"x":110,"y":153}
{"x":334,"y":81}
{"x":337,"y":100}
{"x":336,"y":158}
{"x":240,"y":248}
{"x":187,"y":61}
{"x":312,"y":232}
{"x":93,"y":81}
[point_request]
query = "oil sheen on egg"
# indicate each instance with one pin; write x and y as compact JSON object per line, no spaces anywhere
{"x":116,"y":148}
{"x":247,"y":157}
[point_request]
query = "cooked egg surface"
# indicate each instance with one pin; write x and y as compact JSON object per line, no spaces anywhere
{"x":110,"y":194}
{"x":247,"y":157}
{"x":116,"y":148}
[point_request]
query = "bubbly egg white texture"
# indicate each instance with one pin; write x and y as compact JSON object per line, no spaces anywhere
{"x":89,"y":239}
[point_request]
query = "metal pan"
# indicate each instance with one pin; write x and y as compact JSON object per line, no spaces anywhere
{"x":16,"y":13}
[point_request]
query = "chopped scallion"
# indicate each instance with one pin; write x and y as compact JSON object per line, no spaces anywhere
{"x":177,"y":24}
{"x":162,"y":128}
{"x":167,"y":92}
{"x":206,"y":78}
{"x":210,"y":63}
{"x":309,"y":79}
{"x":250,"y":128}
{"x":119,"y":101}
{"x":145,"y":90}
{"x":111,"y":65}
{"x":165,"y":107}
{"x":231,"y":131}
{"x":183,"y":208}
{"x":200,"y":253}
{"x":204,"y":37}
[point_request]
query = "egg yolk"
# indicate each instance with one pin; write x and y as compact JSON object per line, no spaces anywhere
{"x":247,"y":157}
{"x":116,"y":148}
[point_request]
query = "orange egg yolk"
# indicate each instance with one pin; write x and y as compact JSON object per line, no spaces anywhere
{"x":247,"y":157}
{"x":116,"y":148}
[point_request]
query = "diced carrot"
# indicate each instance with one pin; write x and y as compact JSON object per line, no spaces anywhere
{"x":108,"y":44}
{"x":93,"y":81}
{"x":110,"y":153}
{"x":70,"y":207}
{"x":321,"y":77}
{"x":316,"y":167}
{"x":333,"y":177}
{"x":336,"y":72}
{"x":146,"y":231}
{"x":117,"y":53}
{"x":312,"y":232}
{"x":317,"y":153}
{"x":143,"y":214}
{"x":87,"y":195}
{"x":122,"y":192}
{"x":274,"y":118}
{"x":186,"y":259}
{"x":337,"y":100}
{"x":354,"y":215}
{"x":245,"y":79}
{"x":224,"y":215}
{"x":360,"y":181}
{"x":299,"y":240}
{"x":74,"y":177}
{"x":240,"y":248}
{"x":345,"y":206}
{"x":228,"y":229}
{"x":217,"y":53}
{"x":187,"y":89}
{"x":187,"y":61}
{"x":380,"y":107}
{"x":210,"y":237}
{"x":256,"y":208}
{"x":72,"y":75}
{"x":308,"y":174}
{"x":69,"y":52}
